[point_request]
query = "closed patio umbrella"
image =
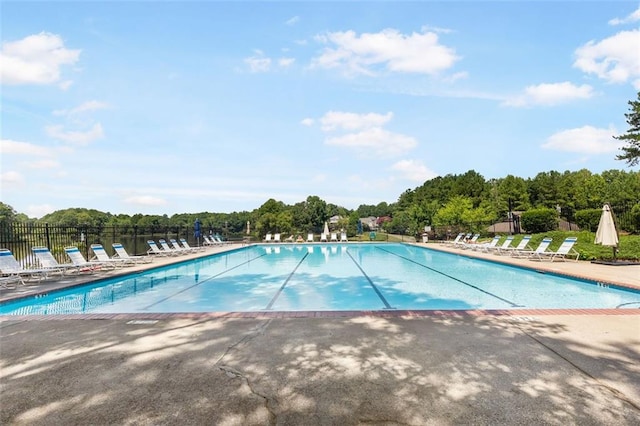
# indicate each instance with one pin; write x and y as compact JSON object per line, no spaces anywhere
{"x":326,"y":229}
{"x":197,"y":230}
{"x":606,"y":234}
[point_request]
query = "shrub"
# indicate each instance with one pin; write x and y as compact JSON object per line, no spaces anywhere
{"x":539,"y":220}
{"x":635,"y":218}
{"x":588,"y":219}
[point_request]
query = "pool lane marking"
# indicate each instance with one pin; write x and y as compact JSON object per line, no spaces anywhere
{"x":515,"y":305}
{"x":284,"y":284}
{"x":203,"y":281}
{"x":375,"y":288}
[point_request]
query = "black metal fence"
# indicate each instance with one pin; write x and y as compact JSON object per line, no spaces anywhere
{"x":20,"y":238}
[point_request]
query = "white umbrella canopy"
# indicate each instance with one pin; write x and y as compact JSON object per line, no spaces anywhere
{"x":606,"y":233}
{"x":326,"y":228}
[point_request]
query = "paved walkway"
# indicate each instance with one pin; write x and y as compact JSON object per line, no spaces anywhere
{"x":439,"y":368}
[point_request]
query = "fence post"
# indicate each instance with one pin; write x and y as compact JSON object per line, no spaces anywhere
{"x":135,"y":239}
{"x":47,"y":236}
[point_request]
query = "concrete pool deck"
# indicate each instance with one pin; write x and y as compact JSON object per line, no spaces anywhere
{"x":439,"y":368}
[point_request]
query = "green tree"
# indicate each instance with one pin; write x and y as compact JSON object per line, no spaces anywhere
{"x":631,"y":152}
{"x":7,"y":213}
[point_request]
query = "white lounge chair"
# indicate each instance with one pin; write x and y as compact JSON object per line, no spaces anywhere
{"x":186,"y":245}
{"x":84,"y":265}
{"x":466,"y":239}
{"x":343,"y":237}
{"x":276,"y":238}
{"x":154,"y":249}
{"x":122,"y":253}
{"x":309,"y":238}
{"x":218,"y":240}
{"x":522,"y":245}
{"x":268,"y":239}
{"x":46,"y":260}
{"x":505,"y":244}
{"x":334,"y":237}
{"x":177,"y":247}
{"x":10,"y":267}
{"x":323,"y":238}
{"x":471,"y":243}
{"x":171,"y":250}
{"x":542,"y":247}
{"x":564,"y":251}
{"x":456,"y":240}
{"x":100,"y":254}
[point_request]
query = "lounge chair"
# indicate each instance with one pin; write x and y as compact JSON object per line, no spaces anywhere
{"x":309,"y":238}
{"x":469,"y":242}
{"x":267,"y":238}
{"x":47,"y":261}
{"x":121,"y":253}
{"x":10,"y":267}
{"x":84,"y":265}
{"x":276,"y":238}
{"x":504,"y":246}
{"x":323,"y":238}
{"x":343,"y":237}
{"x":206,"y":241}
{"x":186,"y":245}
{"x":100,"y":254}
{"x":565,"y":251}
{"x":6,"y":281}
{"x":522,"y":245}
{"x":334,"y":237}
{"x":171,"y":250}
{"x":154,"y":249}
{"x":455,"y":241}
{"x":462,"y":241}
{"x":216,"y":239}
{"x":178,"y":247}
{"x":542,"y":247}
{"x":485,"y":247}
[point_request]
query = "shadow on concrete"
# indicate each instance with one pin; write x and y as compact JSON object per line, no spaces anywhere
{"x":444,"y":369}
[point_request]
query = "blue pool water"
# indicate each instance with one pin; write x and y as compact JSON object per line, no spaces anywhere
{"x":302,"y":277}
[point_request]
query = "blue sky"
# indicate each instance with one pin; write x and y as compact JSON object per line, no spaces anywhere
{"x":178,"y":107}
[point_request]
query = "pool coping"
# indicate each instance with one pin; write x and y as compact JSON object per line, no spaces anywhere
{"x":552,"y":268}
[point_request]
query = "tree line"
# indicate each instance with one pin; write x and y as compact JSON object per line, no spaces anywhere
{"x":467,"y":198}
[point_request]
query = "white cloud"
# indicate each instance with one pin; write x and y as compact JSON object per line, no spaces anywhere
{"x":286,"y":62}
{"x":43,"y":164}
{"x":376,"y":141}
{"x":307,"y":122}
{"x":145,"y":200}
{"x":586,"y":139}
{"x":40,"y":210}
{"x":615,"y":59}
{"x":549,"y":94}
{"x":419,"y":53}
{"x":258,"y":62}
{"x":11,"y":180}
{"x":333,"y":120}
{"x":293,"y":21}
{"x":36,"y":59}
{"x":8,"y":146}
{"x":76,"y":138}
{"x":630,"y":18}
{"x":84,"y":107}
{"x":413,"y":170}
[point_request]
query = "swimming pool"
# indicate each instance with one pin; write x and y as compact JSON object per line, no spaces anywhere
{"x":328,"y":277}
